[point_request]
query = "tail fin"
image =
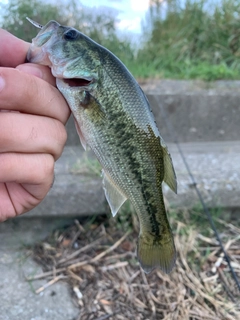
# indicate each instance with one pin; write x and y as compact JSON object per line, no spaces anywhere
{"x":154,"y":253}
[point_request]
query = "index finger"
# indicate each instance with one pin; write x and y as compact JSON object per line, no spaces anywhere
{"x":13,"y":51}
{"x":29,"y":94}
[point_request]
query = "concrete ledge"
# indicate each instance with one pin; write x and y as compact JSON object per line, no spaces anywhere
{"x":216,"y":168}
{"x":215,"y":165}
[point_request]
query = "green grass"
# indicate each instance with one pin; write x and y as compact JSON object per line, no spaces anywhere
{"x":187,"y":70}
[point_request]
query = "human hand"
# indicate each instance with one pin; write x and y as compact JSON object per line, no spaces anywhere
{"x":32,"y":133}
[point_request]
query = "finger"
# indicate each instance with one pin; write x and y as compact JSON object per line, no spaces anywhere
{"x":24,"y":182}
{"x":39,"y":71}
{"x":31,"y":134}
{"x":34,"y":169}
{"x":15,"y":200}
{"x":13,"y":51}
{"x":7,"y":209}
{"x":29,"y":94}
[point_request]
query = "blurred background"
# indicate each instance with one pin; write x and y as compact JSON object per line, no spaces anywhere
{"x":180,"y":39}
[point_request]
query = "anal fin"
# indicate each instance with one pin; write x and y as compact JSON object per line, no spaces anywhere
{"x":114,"y":196}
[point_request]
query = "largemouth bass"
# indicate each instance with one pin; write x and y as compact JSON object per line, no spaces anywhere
{"x":113,"y":116}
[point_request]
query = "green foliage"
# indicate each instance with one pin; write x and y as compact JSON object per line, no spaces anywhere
{"x":193,"y":40}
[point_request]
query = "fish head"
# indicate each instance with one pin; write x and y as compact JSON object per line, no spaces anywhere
{"x":72,"y":56}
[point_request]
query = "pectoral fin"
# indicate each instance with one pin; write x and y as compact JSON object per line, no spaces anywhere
{"x":114,"y":196}
{"x":169,"y":173}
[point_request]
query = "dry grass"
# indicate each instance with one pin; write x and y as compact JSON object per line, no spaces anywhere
{"x":99,"y":263}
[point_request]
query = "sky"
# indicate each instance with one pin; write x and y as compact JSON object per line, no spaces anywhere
{"x":129,"y":12}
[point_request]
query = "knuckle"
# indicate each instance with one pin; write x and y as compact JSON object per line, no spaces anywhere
{"x":61,"y":133}
{"x":45,"y":172}
{"x":48,"y":167}
{"x":60,"y":138}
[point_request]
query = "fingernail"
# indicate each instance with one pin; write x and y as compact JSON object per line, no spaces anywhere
{"x":2,"y":83}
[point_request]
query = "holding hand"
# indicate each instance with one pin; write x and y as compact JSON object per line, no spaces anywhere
{"x":32,"y":133}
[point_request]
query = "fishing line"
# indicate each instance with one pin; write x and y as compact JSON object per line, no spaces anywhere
{"x":172,"y":133}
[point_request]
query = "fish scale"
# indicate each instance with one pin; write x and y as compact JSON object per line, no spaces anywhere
{"x":113,"y":117}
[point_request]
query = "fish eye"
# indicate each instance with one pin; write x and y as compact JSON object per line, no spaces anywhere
{"x":70,"y":34}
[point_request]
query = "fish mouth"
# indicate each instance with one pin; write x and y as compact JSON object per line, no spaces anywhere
{"x":77,"y":82}
{"x":74,"y":84}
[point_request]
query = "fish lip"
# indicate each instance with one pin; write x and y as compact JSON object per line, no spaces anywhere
{"x":46,"y":33}
{"x":37,"y":55}
{"x":38,"y":50}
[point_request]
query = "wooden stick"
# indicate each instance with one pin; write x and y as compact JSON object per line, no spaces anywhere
{"x":48,"y":284}
{"x":115,"y":266}
{"x":45,"y":274}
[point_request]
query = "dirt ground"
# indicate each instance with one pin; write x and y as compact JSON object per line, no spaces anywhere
{"x":97,"y":259}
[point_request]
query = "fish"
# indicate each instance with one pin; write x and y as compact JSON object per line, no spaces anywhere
{"x":113,"y":117}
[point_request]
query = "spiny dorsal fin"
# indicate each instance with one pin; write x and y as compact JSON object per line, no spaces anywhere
{"x":114,"y":196}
